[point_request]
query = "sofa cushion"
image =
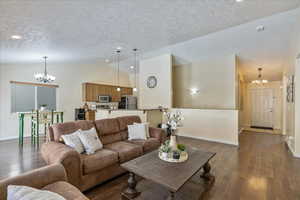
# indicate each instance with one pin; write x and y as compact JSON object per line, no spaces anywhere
{"x":124,"y":135}
{"x":148,"y":145}
{"x":17,"y":192}
{"x":99,"y":160}
{"x":108,"y":139}
{"x":73,"y":140}
{"x":128,"y":120}
{"x":62,"y":129}
{"x":66,"y":190}
{"x":90,"y":140}
{"x":126,"y":151}
{"x":84,"y":124}
{"x":107,"y":126}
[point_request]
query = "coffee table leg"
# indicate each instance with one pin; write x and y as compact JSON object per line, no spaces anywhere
{"x":130,"y":192}
{"x":171,"y":196}
{"x":207,"y":176}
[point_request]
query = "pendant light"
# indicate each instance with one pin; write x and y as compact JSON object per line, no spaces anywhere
{"x":118,"y":69}
{"x":135,"y":69}
{"x":259,"y":80}
{"x":44,"y":77}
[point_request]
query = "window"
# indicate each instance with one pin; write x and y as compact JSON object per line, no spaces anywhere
{"x":26,"y":97}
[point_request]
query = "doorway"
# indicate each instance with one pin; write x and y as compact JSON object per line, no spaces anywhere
{"x":262,"y":108}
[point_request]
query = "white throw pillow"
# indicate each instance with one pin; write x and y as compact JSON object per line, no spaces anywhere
{"x":146,"y":125}
{"x":90,"y":140}
{"x":74,"y":141}
{"x":137,"y":131}
{"x":15,"y":192}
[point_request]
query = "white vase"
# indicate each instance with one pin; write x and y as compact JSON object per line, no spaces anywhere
{"x":164,"y":155}
{"x":173,"y":142}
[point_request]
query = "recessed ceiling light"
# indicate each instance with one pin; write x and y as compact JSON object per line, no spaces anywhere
{"x":131,"y":67}
{"x":16,"y":37}
{"x":239,"y":0}
{"x":260,"y":28}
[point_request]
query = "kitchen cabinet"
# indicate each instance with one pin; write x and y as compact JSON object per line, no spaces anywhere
{"x":91,"y":92}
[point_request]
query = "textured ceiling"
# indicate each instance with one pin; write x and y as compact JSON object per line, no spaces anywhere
{"x":78,"y":30}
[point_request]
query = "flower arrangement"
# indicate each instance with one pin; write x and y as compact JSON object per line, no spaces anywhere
{"x":173,"y":121}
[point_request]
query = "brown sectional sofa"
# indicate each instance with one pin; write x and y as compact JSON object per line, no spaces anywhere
{"x":85,"y":171}
{"x":52,"y":178}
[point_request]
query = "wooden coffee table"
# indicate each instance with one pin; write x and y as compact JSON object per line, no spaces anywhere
{"x":169,"y":175}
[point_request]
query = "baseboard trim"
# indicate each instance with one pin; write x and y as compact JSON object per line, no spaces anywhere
{"x":241,"y":130}
{"x":292,"y":150}
{"x":12,"y":138}
{"x":208,"y":139}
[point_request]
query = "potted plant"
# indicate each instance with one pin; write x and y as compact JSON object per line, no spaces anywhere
{"x":176,"y":155}
{"x":173,"y":122}
{"x":181,"y":147}
{"x":164,"y":151}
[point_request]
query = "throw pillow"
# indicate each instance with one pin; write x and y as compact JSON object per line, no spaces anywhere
{"x":90,"y":140}
{"x":137,"y":131}
{"x":146,"y":125}
{"x":74,"y":141}
{"x":15,"y":192}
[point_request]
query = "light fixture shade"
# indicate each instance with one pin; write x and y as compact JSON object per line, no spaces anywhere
{"x":135,"y":89}
{"x":44,"y":77}
{"x":259,"y":80}
{"x":118,"y":89}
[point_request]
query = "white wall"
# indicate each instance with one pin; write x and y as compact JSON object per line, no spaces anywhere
{"x":296,"y":144}
{"x":69,"y":77}
{"x":277,"y":92}
{"x":161,"y":95}
{"x":215,"y":78}
{"x":213,"y":125}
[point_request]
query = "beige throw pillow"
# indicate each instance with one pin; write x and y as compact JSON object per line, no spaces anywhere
{"x":15,"y":192}
{"x":90,"y":140}
{"x":146,"y":125}
{"x":137,"y":131}
{"x":73,"y":140}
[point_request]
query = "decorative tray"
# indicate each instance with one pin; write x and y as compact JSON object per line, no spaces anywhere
{"x":183,"y":157}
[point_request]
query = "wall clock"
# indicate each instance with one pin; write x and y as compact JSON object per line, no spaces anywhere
{"x":151,"y":82}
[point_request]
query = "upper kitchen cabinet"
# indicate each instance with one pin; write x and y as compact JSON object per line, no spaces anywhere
{"x":91,"y":92}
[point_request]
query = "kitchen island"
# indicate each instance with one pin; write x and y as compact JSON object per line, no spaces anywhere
{"x":152,"y":116}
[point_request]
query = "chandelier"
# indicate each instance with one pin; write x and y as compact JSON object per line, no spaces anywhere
{"x":259,"y":80}
{"x":44,"y":77}
{"x":135,"y":69}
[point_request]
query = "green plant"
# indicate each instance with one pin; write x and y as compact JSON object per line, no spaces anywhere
{"x":167,"y":143}
{"x":165,"y":148}
{"x":181,"y":147}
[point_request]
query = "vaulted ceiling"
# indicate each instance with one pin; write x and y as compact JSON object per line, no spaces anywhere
{"x":78,"y":30}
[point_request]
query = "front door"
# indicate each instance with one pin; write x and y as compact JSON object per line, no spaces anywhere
{"x":262,"y":107}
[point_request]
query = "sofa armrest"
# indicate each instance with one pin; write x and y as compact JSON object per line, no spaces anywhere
{"x":54,"y":152}
{"x":37,"y":178}
{"x":158,"y":133}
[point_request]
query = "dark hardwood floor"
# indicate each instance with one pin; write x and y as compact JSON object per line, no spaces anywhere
{"x":260,"y":169}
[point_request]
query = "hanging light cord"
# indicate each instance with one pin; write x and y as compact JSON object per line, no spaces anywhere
{"x":118,"y":72}
{"x":45,"y":71}
{"x":135,"y":66}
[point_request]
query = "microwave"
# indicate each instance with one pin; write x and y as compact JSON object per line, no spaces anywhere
{"x":104,"y":99}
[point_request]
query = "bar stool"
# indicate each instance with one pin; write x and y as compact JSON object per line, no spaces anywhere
{"x":38,"y":118}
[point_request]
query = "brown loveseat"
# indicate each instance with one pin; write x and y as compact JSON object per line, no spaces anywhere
{"x":85,"y":171}
{"x":52,"y":178}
